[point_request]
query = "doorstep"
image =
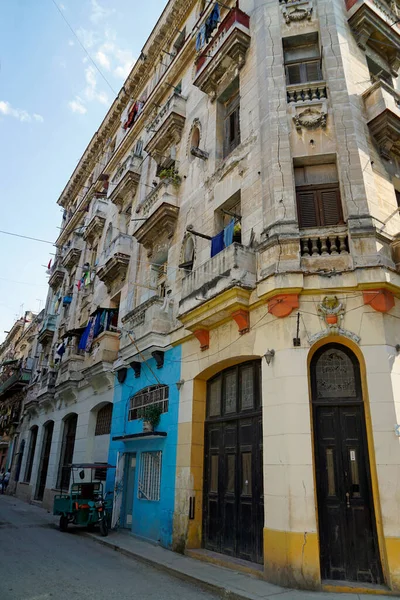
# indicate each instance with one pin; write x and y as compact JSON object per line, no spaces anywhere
{"x":351,"y":587}
{"x":229,"y":562}
{"x":226,"y":582}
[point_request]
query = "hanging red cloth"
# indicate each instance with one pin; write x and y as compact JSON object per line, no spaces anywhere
{"x":131,"y":116}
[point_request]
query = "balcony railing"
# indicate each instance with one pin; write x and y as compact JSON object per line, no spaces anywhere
{"x":234,"y":266}
{"x":305,"y":92}
{"x":166,"y":191}
{"x":149,"y":323}
{"x":382,"y":105}
{"x":47,"y":329}
{"x":114,"y":260}
{"x":72,"y":252}
{"x":95,"y":222}
{"x":16,"y":381}
{"x":228,"y":47}
{"x":125,"y":180}
{"x":56,"y":273}
{"x":104,"y":349}
{"x":166,"y":128}
{"x":332,"y":243}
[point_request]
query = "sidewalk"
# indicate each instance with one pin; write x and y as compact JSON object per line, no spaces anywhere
{"x":225,"y":582}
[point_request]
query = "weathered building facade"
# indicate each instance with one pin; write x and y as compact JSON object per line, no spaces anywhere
{"x":230,"y":253}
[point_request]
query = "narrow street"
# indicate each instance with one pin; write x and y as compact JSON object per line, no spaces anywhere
{"x":63,"y":566}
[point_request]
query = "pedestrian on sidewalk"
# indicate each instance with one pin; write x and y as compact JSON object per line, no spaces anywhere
{"x":5,"y":481}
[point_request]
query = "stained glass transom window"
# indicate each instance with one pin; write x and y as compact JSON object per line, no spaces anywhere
{"x":335,"y":377}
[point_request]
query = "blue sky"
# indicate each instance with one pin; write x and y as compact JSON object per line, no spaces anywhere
{"x":52,"y":100}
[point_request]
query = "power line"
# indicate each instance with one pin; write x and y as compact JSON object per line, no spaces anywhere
{"x":83,"y":47}
{"x":26,"y":237}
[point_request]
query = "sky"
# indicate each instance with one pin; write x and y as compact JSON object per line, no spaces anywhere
{"x":52,"y":100}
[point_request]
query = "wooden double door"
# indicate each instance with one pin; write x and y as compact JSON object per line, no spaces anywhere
{"x":347,"y":528}
{"x":233,"y":485}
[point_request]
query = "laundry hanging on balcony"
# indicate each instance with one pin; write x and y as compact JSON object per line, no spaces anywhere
{"x":217,"y":243}
{"x":228,"y":233}
{"x":205,"y":31}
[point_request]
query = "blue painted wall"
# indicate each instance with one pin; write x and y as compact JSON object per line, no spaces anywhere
{"x":150,"y":520}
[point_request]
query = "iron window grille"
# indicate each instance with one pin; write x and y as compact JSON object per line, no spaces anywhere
{"x":153,"y":395}
{"x":100,"y":474}
{"x":103,"y":422}
{"x":150,"y":476}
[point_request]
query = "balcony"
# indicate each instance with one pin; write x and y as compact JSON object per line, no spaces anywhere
{"x":306,"y":92}
{"x":160,"y":224}
{"x":166,"y":129}
{"x":31,"y":397}
{"x":47,"y":385}
{"x":149,"y":325}
{"x":95,"y":222}
{"x":97,"y":367}
{"x":225,"y":53}
{"x":115,"y":260}
{"x":234,"y":267}
{"x":382,"y":105}
{"x":17,"y":380}
{"x":56,"y":276}
{"x":68,"y":377}
{"x":47,"y":330}
{"x":125,"y":181}
{"x":73,"y":253}
{"x":376,"y":25}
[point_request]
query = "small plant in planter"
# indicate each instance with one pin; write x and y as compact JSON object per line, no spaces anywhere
{"x":237,"y":233}
{"x":150,"y":415}
{"x":171,"y":174}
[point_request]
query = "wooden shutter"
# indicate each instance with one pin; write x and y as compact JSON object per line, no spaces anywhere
{"x":330,"y":207}
{"x":307,"y":208}
{"x":232,"y":127}
{"x":313,"y":71}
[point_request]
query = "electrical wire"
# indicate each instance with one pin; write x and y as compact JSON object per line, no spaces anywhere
{"x":83,"y":47}
{"x":26,"y":237}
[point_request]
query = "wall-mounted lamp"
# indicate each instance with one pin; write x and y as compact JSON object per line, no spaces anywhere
{"x":180,"y":383}
{"x":269,"y":355}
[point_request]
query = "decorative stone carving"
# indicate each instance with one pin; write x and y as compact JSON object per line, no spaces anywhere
{"x":310,"y":118}
{"x":296,"y":11}
{"x":332,"y":311}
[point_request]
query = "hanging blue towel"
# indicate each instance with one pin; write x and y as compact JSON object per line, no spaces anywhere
{"x":85,"y":334}
{"x":214,"y":16}
{"x":217,"y":243}
{"x":228,"y":233}
{"x":201,"y":38}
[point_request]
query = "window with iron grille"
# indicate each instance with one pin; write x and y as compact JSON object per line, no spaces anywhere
{"x":103,"y":422}
{"x":155,"y":394}
{"x":100,"y":474}
{"x":149,"y":476}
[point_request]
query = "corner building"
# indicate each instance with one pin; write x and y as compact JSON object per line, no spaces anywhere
{"x":243,"y":224}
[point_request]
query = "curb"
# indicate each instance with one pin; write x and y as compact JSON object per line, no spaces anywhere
{"x":221,"y":590}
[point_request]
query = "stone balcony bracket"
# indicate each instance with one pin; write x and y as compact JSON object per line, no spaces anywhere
{"x":242,"y":320}
{"x":296,"y":11}
{"x":225,"y":55}
{"x":381,"y":300}
{"x":125,"y":181}
{"x":382,"y":106}
{"x":283,"y":304}
{"x":73,"y":253}
{"x":166,"y":128}
{"x":375,"y":24}
{"x":203,"y":335}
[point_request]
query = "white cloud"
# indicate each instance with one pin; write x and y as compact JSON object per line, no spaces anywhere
{"x":17,"y":113}
{"x":71,"y":43}
{"x":91,"y":92}
{"x":88,"y":37}
{"x":100,"y":12}
{"x":62,"y":6}
{"x":77,"y":106}
{"x":103,"y":60}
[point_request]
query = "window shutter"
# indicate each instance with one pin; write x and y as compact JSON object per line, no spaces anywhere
{"x":313,"y":72}
{"x":331,"y":213}
{"x":306,"y":207}
{"x":293,"y":74}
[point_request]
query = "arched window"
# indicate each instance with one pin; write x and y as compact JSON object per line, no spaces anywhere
{"x":195,"y":141}
{"x":109,"y":234}
{"x":335,"y":375}
{"x":67,"y":451}
{"x":187,"y":255}
{"x":31,"y":453}
{"x":103,"y":421}
{"x":150,"y":396}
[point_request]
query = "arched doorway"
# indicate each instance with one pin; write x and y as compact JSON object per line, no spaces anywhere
{"x":44,"y":460}
{"x":233,"y":470}
{"x":347,"y":527}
